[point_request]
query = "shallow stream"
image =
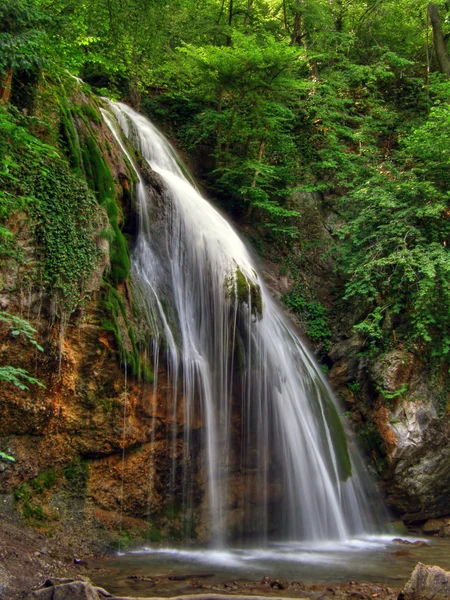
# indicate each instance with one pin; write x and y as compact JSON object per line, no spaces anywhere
{"x":153,"y":571}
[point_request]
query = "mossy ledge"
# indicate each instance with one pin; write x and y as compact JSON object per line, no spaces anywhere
{"x":246,"y":292}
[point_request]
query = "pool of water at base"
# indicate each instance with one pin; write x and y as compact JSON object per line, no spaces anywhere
{"x":165,"y":571}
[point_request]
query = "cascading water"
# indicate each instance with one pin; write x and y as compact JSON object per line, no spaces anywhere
{"x":252,"y":403}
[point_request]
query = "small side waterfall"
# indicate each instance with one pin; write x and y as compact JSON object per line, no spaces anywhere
{"x":274,"y":459}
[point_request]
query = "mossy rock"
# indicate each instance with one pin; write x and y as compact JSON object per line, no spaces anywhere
{"x":129,"y":347}
{"x":246,"y":292}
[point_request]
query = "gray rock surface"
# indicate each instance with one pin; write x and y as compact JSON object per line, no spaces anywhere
{"x":427,"y":583}
{"x":418,"y":478}
{"x":395,"y":397}
{"x":76,"y":590}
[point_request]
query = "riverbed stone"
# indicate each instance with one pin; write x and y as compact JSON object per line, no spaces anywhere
{"x":76,"y":590}
{"x":427,"y":583}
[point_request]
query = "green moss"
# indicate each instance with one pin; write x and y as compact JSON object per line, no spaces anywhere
{"x":153,"y":535}
{"x":373,"y":443}
{"x":118,"y":324}
{"x":34,"y":512}
{"x":123,"y":540}
{"x":23,"y":492}
{"x":172,"y":511}
{"x":100,"y":180}
{"x":338,"y":436}
{"x":146,"y":373}
{"x":242,"y":291}
{"x":91,"y":113}
{"x":76,"y":474}
{"x":248,"y":292}
{"x":44,"y":481}
{"x":119,"y":256}
{"x":69,"y":137}
{"x":98,"y":173}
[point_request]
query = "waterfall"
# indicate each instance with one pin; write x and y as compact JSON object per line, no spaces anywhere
{"x":254,"y":423}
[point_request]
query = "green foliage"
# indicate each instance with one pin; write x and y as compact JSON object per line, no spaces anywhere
{"x":86,"y":158}
{"x":7,"y":457}
{"x":21,"y":35}
{"x":14,"y":375}
{"x":65,"y":230}
{"x":313,"y":314}
{"x":394,"y":245}
{"x":62,"y":211}
{"x":272,"y":97}
{"x":389,"y":396}
{"x":354,"y":386}
{"x":247,"y":89}
{"x":18,"y":377}
{"x":19,"y":326}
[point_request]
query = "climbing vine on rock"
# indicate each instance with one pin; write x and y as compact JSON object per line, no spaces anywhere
{"x":64,"y":215}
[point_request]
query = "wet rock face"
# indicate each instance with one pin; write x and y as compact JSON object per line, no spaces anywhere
{"x":418,"y":440}
{"x":91,"y":440}
{"x":93,"y":434}
{"x":396,"y":405}
{"x":427,"y":583}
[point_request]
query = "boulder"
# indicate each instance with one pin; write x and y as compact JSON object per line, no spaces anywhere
{"x":427,"y":583}
{"x":433,"y":526}
{"x":76,"y":590}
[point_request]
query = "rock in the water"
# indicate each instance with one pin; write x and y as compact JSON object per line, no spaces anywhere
{"x":427,"y":583}
{"x":279,"y":584}
{"x":416,"y":543}
{"x":76,"y":590}
{"x":433,"y":526}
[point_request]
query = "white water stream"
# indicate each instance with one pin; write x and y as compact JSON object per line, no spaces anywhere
{"x":272,"y":451}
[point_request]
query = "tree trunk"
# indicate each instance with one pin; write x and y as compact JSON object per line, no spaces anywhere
{"x":260,"y":155}
{"x":230,"y":21}
{"x":440,"y":44}
{"x":5,"y":86}
{"x":285,"y":23}
{"x":248,"y":13}
{"x":296,"y":31}
{"x":338,"y":15}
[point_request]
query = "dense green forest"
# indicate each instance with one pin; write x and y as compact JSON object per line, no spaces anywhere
{"x":346,"y":98}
